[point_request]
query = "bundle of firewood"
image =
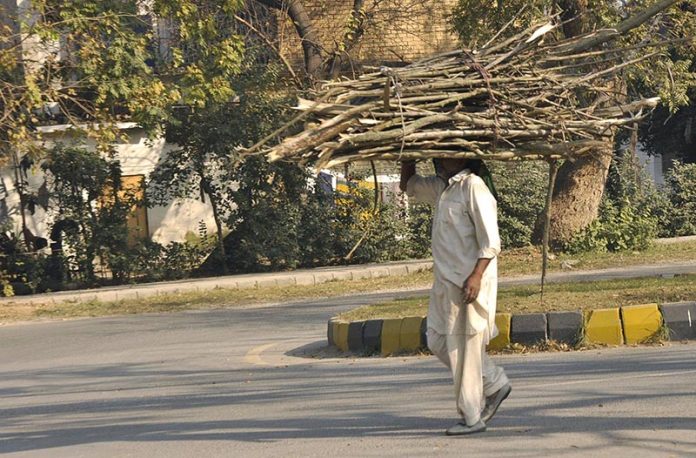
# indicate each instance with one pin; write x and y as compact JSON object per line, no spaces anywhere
{"x":524,"y":97}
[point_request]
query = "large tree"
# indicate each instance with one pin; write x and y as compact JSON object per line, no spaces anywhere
{"x":580,"y":184}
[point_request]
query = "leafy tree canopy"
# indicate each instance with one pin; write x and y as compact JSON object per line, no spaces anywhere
{"x":671,"y":75}
{"x":92,"y":63}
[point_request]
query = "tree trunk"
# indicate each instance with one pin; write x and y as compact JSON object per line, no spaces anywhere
{"x":576,"y":197}
{"x":580,"y":184}
{"x":311,"y":46}
{"x":220,"y":238}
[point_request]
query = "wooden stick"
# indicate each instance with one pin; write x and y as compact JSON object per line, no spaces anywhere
{"x":553,"y":171}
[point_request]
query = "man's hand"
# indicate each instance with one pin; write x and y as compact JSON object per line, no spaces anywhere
{"x":472,"y":287}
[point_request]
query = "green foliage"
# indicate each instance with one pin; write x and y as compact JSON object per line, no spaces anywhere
{"x":29,"y":273}
{"x":365,"y":234}
{"x":619,"y":227}
{"x":627,"y":218}
{"x":151,"y":261}
{"x":201,"y":167}
{"x":264,"y":221}
{"x":6,"y":263}
{"x":92,"y":64}
{"x":264,"y":224}
{"x":522,"y":193}
{"x":205,"y":53}
{"x":316,"y":233}
{"x":92,"y":208}
{"x":282,"y":223}
{"x":672,"y":134}
{"x":477,"y":21}
{"x":87,"y":191}
{"x":679,"y":216}
{"x":420,"y":227}
{"x":206,"y":165}
{"x":390,"y":238}
{"x":21,"y":272}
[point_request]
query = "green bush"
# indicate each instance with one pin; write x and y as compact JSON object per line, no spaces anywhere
{"x":627,"y":215}
{"x":87,"y":190}
{"x":678,"y":218}
{"x":22,"y":272}
{"x":619,"y":227}
{"x":265,"y":222}
{"x":389,"y":233}
{"x":385,"y":235}
{"x":152,"y":261}
{"x":316,"y":232}
{"x":420,"y":226}
{"x":522,"y":193}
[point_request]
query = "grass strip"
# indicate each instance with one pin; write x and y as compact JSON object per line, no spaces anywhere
{"x":557,"y":297}
{"x":512,"y":262}
{"x":527,"y":261}
{"x":210,"y":299}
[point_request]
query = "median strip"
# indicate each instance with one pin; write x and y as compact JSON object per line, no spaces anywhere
{"x":640,"y":324}
{"x":610,"y":312}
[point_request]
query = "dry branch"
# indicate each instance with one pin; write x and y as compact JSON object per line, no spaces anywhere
{"x":516,"y":99}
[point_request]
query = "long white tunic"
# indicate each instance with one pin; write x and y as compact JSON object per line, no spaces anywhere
{"x":465,"y":229}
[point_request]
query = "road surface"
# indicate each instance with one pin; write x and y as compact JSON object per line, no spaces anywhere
{"x":242,"y":383}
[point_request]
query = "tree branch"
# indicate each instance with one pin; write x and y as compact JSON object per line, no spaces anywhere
{"x":604,"y":35}
{"x":352,"y":36}
{"x":270,"y":44}
{"x":311,"y":46}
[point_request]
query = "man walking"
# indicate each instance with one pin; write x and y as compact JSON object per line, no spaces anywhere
{"x":461,"y":316}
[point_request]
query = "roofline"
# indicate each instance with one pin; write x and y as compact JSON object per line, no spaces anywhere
{"x":66,"y":127}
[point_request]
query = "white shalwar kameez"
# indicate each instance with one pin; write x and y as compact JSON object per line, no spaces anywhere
{"x":465,"y":229}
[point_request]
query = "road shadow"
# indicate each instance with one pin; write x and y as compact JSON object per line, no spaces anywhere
{"x":317,"y":350}
{"x":393,"y":398}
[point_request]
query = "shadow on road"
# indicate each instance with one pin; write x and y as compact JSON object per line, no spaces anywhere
{"x":393,"y":398}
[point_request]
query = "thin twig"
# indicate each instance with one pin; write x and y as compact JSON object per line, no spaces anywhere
{"x":553,"y":171}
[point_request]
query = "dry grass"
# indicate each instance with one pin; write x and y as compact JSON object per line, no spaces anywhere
{"x":215,"y":298}
{"x":557,"y":297}
{"x":522,"y":261}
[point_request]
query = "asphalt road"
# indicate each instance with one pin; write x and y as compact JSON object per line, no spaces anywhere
{"x":243,"y":383}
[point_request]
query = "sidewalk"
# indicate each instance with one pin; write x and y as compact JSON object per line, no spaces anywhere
{"x":309,"y":277}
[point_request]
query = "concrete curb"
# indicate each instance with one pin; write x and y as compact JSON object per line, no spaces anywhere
{"x":305,"y":277}
{"x":566,"y":327}
{"x":680,"y":320}
{"x":633,"y":324}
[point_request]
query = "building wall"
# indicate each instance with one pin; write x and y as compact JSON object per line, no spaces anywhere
{"x":653,"y":165}
{"x":138,"y":156}
{"x":400,"y":30}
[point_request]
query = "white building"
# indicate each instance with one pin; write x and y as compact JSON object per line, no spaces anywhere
{"x":138,"y":157}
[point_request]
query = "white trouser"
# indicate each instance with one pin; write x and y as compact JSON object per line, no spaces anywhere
{"x":474,"y":374}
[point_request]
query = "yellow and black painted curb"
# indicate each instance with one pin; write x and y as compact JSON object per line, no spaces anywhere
{"x":632,"y":324}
